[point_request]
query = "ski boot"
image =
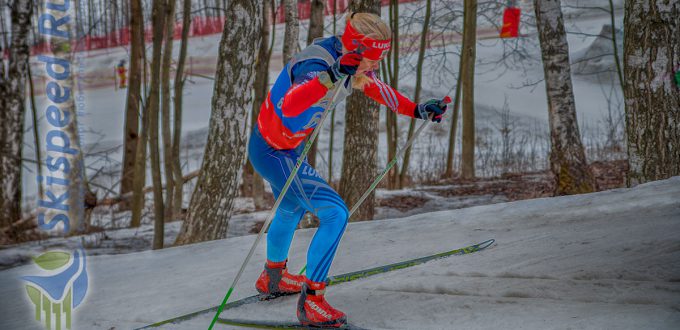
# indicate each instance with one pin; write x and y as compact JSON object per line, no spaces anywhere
{"x":314,"y":311}
{"x":276,"y":281}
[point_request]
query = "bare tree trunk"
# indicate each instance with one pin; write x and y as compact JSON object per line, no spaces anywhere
{"x":419,"y":82}
{"x":134,"y":99}
{"x":3,"y":30}
{"x":140,"y":171}
{"x":139,"y":177}
{"x":391,"y":123}
{"x":332,"y":128}
{"x":153,"y":104}
{"x":315,"y":21}
{"x":179,"y":89}
{"x":468,"y":81}
{"x":567,"y":157}
{"x":165,"y":106}
{"x":454,"y":122}
{"x":90,"y":15}
{"x":360,"y":155}
{"x":114,"y":17}
{"x":292,"y":32}
{"x":212,"y":202}
{"x":36,"y":132}
{"x":615,"y":44}
{"x":651,"y":58}
{"x":81,"y":200}
{"x":12,"y":111}
{"x":315,"y":31}
{"x":260,"y":86}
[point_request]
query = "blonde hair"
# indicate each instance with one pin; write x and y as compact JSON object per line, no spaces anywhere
{"x":373,"y":27}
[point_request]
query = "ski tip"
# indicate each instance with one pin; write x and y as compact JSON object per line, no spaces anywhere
{"x":486,"y":244}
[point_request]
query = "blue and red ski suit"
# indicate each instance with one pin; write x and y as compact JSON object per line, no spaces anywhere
{"x":291,"y":111}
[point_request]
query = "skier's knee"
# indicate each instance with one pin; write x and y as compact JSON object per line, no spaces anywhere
{"x":336,"y":215}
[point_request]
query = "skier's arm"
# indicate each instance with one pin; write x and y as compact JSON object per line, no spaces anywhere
{"x":306,"y":89}
{"x":388,"y":96}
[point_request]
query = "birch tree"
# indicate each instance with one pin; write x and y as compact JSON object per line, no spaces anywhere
{"x":360,"y":154}
{"x":651,"y":64}
{"x":212,"y":202}
{"x":567,"y":157}
{"x":12,"y":111}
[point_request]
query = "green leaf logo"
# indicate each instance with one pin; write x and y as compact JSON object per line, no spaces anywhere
{"x":52,"y":260}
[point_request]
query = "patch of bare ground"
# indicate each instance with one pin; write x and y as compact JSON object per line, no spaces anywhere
{"x":512,"y":186}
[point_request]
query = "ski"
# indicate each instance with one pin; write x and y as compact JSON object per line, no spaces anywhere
{"x":278,"y":325}
{"x":337,"y":279}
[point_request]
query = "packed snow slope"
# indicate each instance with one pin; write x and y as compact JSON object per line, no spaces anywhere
{"x":608,"y":260}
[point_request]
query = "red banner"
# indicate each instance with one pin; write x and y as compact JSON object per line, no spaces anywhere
{"x":511,"y":17}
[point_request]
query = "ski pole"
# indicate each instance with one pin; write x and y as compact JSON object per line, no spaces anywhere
{"x":401,"y":151}
{"x":394,"y":160}
{"x":271,"y":214}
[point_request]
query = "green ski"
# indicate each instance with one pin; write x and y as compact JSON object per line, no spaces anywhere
{"x":277,"y":325}
{"x":337,"y":279}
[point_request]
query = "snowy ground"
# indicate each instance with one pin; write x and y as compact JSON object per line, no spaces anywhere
{"x":606,"y":260}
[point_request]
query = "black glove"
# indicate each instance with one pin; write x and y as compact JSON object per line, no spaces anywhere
{"x":433,"y":107}
{"x":345,"y":65}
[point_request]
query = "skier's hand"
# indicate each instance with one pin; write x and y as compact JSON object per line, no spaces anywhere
{"x":433,"y":109}
{"x":346,"y":65}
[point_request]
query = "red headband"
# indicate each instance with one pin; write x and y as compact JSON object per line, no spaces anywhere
{"x":372,"y":49}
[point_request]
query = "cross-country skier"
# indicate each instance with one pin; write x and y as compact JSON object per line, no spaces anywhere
{"x":289,"y":114}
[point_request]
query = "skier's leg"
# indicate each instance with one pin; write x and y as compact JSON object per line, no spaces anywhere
{"x":315,"y":195}
{"x":275,"y":279}
{"x":282,"y":228}
{"x":333,"y":215}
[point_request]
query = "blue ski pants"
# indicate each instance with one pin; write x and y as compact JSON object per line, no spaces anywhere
{"x":307,"y":193}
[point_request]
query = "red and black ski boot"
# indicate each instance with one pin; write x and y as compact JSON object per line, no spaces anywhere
{"x":276,"y":281}
{"x":313,"y":310}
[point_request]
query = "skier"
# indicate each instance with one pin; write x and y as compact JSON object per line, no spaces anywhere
{"x":122,"y":74}
{"x":292,"y":109}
